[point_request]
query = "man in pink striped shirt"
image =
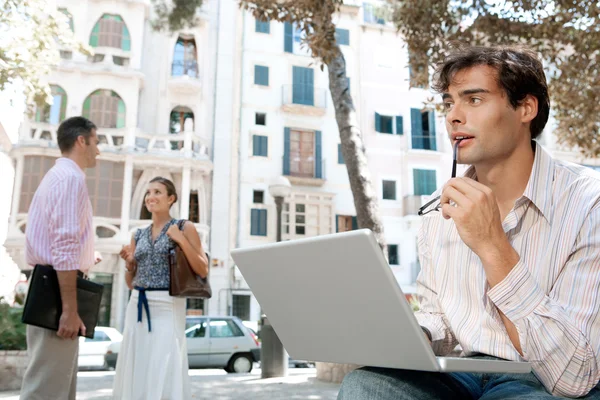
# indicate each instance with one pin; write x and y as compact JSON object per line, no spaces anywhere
{"x":59,"y":233}
{"x":511,"y":264}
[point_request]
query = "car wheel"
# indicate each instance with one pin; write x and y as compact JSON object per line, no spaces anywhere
{"x":239,"y":364}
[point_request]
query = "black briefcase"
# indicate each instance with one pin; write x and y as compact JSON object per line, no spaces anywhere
{"x":43,"y":306}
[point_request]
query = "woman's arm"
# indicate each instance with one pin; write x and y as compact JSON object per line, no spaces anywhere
{"x":130,"y":266}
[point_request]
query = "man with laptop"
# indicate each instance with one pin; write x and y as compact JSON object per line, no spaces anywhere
{"x":511,"y":260}
{"x":510,"y":263}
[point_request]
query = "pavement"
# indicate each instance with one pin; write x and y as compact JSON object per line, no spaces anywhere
{"x":301,"y":383}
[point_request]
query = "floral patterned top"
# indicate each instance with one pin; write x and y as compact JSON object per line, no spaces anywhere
{"x":152,"y":258}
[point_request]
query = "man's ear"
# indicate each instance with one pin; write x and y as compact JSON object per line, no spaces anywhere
{"x":529,"y":107}
{"x":81,"y":140}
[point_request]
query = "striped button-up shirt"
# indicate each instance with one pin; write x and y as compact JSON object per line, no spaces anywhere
{"x":552,"y":295}
{"x":59,"y":223}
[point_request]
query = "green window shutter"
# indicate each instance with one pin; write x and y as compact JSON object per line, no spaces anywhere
{"x":260,"y":145}
{"x":399,"y":125}
{"x":262,"y":26}
{"x":264,"y":146}
{"x":286,"y":151}
{"x":416,"y":128}
{"x":340,"y":155}
{"x":432,"y":141}
{"x":258,"y":222}
{"x":87,"y":106}
{"x":120,"y":113}
{"x":424,"y":182}
{"x":377,"y":122}
{"x":303,"y":91}
{"x":354,"y":223}
{"x":342,"y":36}
{"x":393,"y":254}
{"x":254,"y":216}
{"x":63,"y":106}
{"x":262,"y":223}
{"x":95,"y":35}
{"x":261,"y":75}
{"x":126,"y":40}
{"x":318,"y":156}
{"x":288,"y":43}
{"x":255,"y":145}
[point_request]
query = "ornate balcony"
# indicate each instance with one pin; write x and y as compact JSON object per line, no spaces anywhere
{"x":186,"y":144}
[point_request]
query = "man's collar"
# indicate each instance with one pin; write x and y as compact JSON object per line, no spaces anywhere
{"x":72,"y":164}
{"x":539,"y":186}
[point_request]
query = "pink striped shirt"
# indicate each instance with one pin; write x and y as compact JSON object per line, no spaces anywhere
{"x":59,"y":224}
{"x":552,"y":294}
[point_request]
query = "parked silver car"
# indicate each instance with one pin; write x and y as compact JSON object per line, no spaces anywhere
{"x":213,"y":342}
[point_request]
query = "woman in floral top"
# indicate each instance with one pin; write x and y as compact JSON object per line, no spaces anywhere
{"x":152,"y":362}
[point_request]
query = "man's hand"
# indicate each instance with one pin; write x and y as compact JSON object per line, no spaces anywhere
{"x":97,"y":257}
{"x":70,"y":325}
{"x":475,"y":213}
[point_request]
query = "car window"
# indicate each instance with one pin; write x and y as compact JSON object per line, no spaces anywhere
{"x":197,"y":330}
{"x":220,"y":328}
{"x":99,"y":336}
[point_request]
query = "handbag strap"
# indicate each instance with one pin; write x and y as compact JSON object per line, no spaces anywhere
{"x":181,"y":224}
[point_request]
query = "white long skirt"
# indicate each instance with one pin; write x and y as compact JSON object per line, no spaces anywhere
{"x":153,"y":365}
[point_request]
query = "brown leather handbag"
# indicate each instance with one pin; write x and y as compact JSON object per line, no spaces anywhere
{"x":184,"y":282}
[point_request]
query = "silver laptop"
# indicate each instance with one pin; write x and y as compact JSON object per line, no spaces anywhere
{"x":334,"y":298}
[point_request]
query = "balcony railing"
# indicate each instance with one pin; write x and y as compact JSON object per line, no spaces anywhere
{"x":108,"y":229}
{"x":185,"y":68}
{"x":424,"y":142}
{"x":304,"y":95}
{"x":114,"y":140}
{"x":313,"y":179}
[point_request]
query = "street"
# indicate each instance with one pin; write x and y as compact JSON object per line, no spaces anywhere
{"x":217,"y":384}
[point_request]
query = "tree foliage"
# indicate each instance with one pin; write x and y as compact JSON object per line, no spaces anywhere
{"x":31,"y":35}
{"x":565,"y":33}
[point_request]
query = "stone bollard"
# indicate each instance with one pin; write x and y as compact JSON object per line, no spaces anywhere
{"x":332,"y":372}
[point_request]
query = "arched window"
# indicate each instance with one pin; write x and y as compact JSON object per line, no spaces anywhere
{"x":111,"y":31}
{"x":105,"y":108}
{"x":54,"y":113}
{"x":184,"y":58}
{"x":178,"y":117}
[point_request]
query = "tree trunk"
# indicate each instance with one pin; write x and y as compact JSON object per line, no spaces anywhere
{"x":365,"y":197}
{"x":353,"y":150}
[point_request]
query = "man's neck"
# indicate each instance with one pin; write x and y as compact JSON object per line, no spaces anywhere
{"x":508,"y":178}
{"x":77,"y":159}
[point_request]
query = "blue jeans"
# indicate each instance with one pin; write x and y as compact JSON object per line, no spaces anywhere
{"x":371,"y":383}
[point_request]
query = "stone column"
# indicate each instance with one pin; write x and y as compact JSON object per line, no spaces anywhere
{"x":16,"y":198}
{"x":121,"y":299}
{"x":126,"y":199}
{"x":184,"y":211}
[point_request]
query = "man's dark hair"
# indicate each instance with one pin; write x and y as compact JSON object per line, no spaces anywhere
{"x":171,"y":191}
{"x":520,"y":73}
{"x":71,"y":129}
